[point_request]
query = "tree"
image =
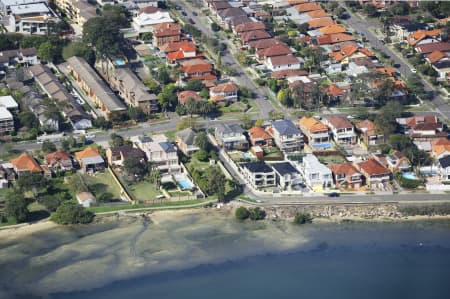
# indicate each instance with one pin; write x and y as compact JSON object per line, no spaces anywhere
{"x":28,"y":119}
{"x":16,"y":206}
{"x":246,"y":121}
{"x":191,"y":106}
{"x":72,"y":213}
{"x":241,"y":213}
{"x":273,"y":84}
{"x":400,"y":8}
{"x":205,"y":107}
{"x":385,"y":121}
{"x":117,"y":14}
{"x":303,"y":28}
{"x":215,"y":180}
{"x":104,"y":34}
{"x":78,"y":48}
{"x":134,"y":167}
{"x":302,"y":218}
{"x":31,"y":181}
{"x":259,"y":122}
{"x":101,"y":122}
{"x":257,"y":214}
{"x":51,"y":202}
{"x":186,"y":123}
{"x":399,"y":141}
{"x":215,"y":27}
{"x":195,"y":85}
{"x":152,"y":84}
{"x":415,"y":85}
{"x":201,"y":140}
{"x":201,"y":155}
{"x":163,"y":75}
{"x":48,"y":146}
{"x":48,"y":51}
{"x":370,"y":10}
{"x":116,"y":140}
{"x":65,"y":144}
{"x":136,"y":113}
{"x":168,"y":98}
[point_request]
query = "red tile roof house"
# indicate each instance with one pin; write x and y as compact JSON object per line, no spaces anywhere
{"x":185,"y":52}
{"x":429,"y":48}
{"x":166,"y":33}
{"x":276,"y":50}
{"x":173,"y":47}
{"x":197,"y":69}
{"x":346,"y":175}
{"x":25,"y":163}
{"x":264,"y":43}
{"x":368,"y":135}
{"x":59,"y":160}
{"x":241,"y":28}
{"x":342,"y":129}
{"x":184,"y":96}
{"x":227,"y":92}
{"x":254,"y":35}
{"x":440,"y":62}
{"x":259,"y":137}
{"x":376,"y":174}
{"x":422,"y":128}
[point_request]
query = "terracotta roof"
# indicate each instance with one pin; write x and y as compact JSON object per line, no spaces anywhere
{"x":431,"y":47}
{"x":288,"y":73}
{"x":227,"y":87}
{"x":264,"y":43}
{"x":345,"y":168}
{"x":366,"y":52}
{"x":322,"y":22}
{"x":250,"y":27}
{"x":217,"y":98}
{"x":333,"y":29}
{"x":415,"y":120}
{"x":305,"y":7}
{"x":88,"y":152}
{"x":440,"y":146}
{"x":276,"y":50}
{"x":427,"y":127}
{"x":339,"y":122}
{"x":166,"y":32}
{"x":196,"y":65}
{"x":419,"y":35}
{"x":205,"y":78}
{"x":373,"y":167}
{"x":254,"y":35}
{"x":149,"y":10}
{"x":334,"y":38}
{"x":283,"y":60}
{"x":184,"y":96}
{"x":366,"y":124}
{"x":56,"y":156}
{"x":390,"y":71}
{"x":348,"y":51}
{"x":258,"y":133}
{"x":312,"y":124}
{"x":320,"y":13}
{"x":25,"y":162}
{"x":435,"y":56}
{"x":334,"y":90}
{"x":185,"y":48}
{"x":167,"y":26}
{"x":173,"y":47}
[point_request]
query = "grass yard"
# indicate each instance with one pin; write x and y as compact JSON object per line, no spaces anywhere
{"x":162,"y":203}
{"x":272,"y":152}
{"x":179,"y":193}
{"x":331,"y":159}
{"x":102,"y":183}
{"x":144,"y":191}
{"x":235,"y":107}
{"x":196,"y":164}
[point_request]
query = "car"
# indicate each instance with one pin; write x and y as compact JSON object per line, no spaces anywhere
{"x":333,"y":194}
{"x":397,"y":65}
{"x":194,"y":13}
{"x":178,"y":7}
{"x":265,"y":98}
{"x":413,"y":71}
{"x":184,"y":13}
{"x":191,"y":21}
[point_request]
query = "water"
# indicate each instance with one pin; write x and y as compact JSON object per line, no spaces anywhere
{"x":355,"y":261}
{"x":409,"y":175}
{"x":185,"y":184}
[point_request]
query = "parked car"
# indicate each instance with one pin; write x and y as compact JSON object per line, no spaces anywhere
{"x":194,"y":13}
{"x":333,"y":194}
{"x":413,"y":71}
{"x":184,"y":13}
{"x":265,"y":98}
{"x":191,"y":21}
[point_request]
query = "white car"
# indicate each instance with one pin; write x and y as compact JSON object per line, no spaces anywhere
{"x":413,"y":71}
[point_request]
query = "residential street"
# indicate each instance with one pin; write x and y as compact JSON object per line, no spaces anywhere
{"x":362,"y":26}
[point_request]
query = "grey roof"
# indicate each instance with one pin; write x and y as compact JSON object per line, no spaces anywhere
{"x":167,"y":147}
{"x":187,"y":136}
{"x":92,"y":160}
{"x":285,"y":127}
{"x":132,"y":83}
{"x":228,"y":129}
{"x":96,"y":84}
{"x":128,"y":152}
{"x":232,"y":12}
{"x":259,"y":166}
{"x":445,"y":162}
{"x":284,"y":168}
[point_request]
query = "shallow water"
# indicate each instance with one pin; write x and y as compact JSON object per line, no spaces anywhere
{"x":197,"y":256}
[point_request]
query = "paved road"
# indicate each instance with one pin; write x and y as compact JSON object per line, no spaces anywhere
{"x":227,"y":57}
{"x":362,"y":26}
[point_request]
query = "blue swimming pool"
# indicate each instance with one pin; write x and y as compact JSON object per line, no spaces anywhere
{"x":321,"y":145}
{"x":248,"y":156}
{"x":410,"y":176}
{"x":185,"y":184}
{"x":119,"y":61}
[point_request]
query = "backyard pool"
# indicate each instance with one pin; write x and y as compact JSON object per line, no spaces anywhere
{"x":119,"y":61}
{"x":321,"y":145}
{"x":248,"y":156}
{"x":410,"y":176}
{"x":184,"y":183}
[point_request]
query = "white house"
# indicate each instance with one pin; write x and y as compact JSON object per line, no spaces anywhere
{"x":258,"y":174}
{"x":9,"y":103}
{"x":6,"y":121}
{"x":286,"y":175}
{"x":342,"y":129}
{"x":86,"y":199}
{"x":286,"y":135}
{"x":317,"y":176}
{"x":144,"y":22}
{"x":279,"y":63}
{"x":444,"y":168}
{"x":227,"y":92}
{"x":30,"y":18}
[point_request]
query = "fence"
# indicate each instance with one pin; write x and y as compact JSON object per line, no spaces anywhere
{"x":123,"y":190}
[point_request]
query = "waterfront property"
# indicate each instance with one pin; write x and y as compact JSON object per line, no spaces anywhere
{"x":286,"y":175}
{"x":25,"y":163}
{"x":286,"y":135}
{"x":314,"y":130}
{"x":117,"y":155}
{"x":346,"y":175}
{"x":317,"y":175}
{"x":58,"y":161}
{"x":258,"y":174}
{"x":90,"y":160}
{"x":342,"y":129}
{"x":376,"y":174}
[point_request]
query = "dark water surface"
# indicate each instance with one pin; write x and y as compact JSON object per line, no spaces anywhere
{"x":409,"y":260}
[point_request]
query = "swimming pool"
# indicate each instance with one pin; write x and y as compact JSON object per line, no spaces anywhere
{"x":321,"y":145}
{"x":410,"y":176}
{"x":248,"y":156}
{"x":119,"y":61}
{"x":184,"y":184}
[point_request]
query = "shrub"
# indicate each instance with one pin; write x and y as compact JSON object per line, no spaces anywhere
{"x":302,"y":218}
{"x":257,"y":214}
{"x":72,"y":213}
{"x":242,"y":213}
{"x":201,"y":155}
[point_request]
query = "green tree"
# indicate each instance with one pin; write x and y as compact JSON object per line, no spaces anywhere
{"x":191,"y":106}
{"x":16,"y":206}
{"x":65,"y":144}
{"x":201,"y":140}
{"x":116,"y":140}
{"x":78,"y":48}
{"x":259,"y":122}
{"x":28,"y":119}
{"x":303,"y":28}
{"x":163,"y":75}
{"x":242,"y":213}
{"x":186,"y":123}
{"x":415,"y":85}
{"x":31,"y":181}
{"x":371,"y":10}
{"x":101,"y":122}
{"x":215,"y":181}
{"x":72,"y":213}
{"x":284,"y":96}
{"x":302,"y":218}
{"x":385,"y":121}
{"x":48,"y":146}
{"x":51,"y":202}
{"x":201,"y":155}
{"x":257,"y":214}
{"x":104,"y":35}
{"x":168,"y":98}
{"x":246,"y":121}
{"x":47,"y":51}
{"x":152,"y":84}
{"x":134,"y":167}
{"x":215,"y":27}
{"x":195,"y":85}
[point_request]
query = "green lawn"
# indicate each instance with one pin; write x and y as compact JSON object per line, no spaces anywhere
{"x":11,"y":221}
{"x":102,"y":183}
{"x":179,"y":193}
{"x":235,"y":107}
{"x":199,"y":165}
{"x":144,"y":191}
{"x":161,"y":203}
{"x":331,"y":159}
{"x":35,"y":206}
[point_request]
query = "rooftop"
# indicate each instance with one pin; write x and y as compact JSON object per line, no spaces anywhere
{"x":259,"y":166}
{"x":8,"y":102}
{"x":285,"y":127}
{"x":284,"y":168}
{"x":25,"y":162}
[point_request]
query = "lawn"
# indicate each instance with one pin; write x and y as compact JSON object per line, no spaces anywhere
{"x":235,"y":107}
{"x":331,"y":159}
{"x":272,"y":152}
{"x":102,"y":183}
{"x":144,"y":191}
{"x":162,"y":203}
{"x":175,"y":194}
{"x":196,"y":164}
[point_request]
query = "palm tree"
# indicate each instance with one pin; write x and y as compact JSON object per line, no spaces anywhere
{"x":204,"y":107}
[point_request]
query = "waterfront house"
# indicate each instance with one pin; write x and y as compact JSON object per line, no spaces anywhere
{"x":368,"y":134}
{"x":342,"y":129}
{"x":440,"y":148}
{"x":90,"y":160}
{"x":58,"y":161}
{"x":444,"y":168}
{"x":25,"y":163}
{"x":231,"y":137}
{"x":86,"y":199}
{"x":317,"y":176}
{"x":315,"y":131}
{"x":376,"y":174}
{"x":117,"y":155}
{"x":346,"y":175}
{"x":286,"y":175}
{"x":258,"y":174}
{"x":286,"y":135}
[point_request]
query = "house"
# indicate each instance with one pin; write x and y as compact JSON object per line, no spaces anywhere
{"x":6,"y":121}
{"x":228,"y":14}
{"x":250,"y":36}
{"x":197,"y":69}
{"x":334,"y":38}
{"x":185,"y":52}
{"x":117,"y":155}
{"x":185,"y":95}
{"x":264,"y":43}
{"x":332,"y":29}
{"x":86,"y":199}
{"x":346,"y":175}
{"x":145,"y":21}
{"x":422,"y":128}
{"x":259,"y":137}
{"x":279,"y":63}
{"x":37,"y":106}
{"x":25,"y":163}
{"x":306,"y":7}
{"x":422,"y":37}
{"x":23,"y":57}
{"x":317,"y":176}
{"x":166,"y":33}
{"x":315,"y":131}
{"x":176,"y":46}
{"x":58,"y":161}
{"x":397,"y":162}
{"x":258,"y":174}
{"x":431,"y":47}
{"x":368,"y":134}
{"x":227,"y":92}
{"x":239,"y":29}
{"x":349,"y":53}
{"x":440,"y":62}
{"x":341,"y":129}
{"x":9,"y":103}
{"x":79,"y":11}
{"x":440,"y":148}
{"x":376,"y":174}
{"x":286,"y":135}
{"x":185,"y":140}
{"x":160,"y":152}
{"x":286,"y":175}
{"x":29,"y":18}
{"x":403,"y":27}
{"x":54,"y":89}
{"x":90,"y":160}
{"x":444,"y":168}
{"x":128,"y":85}
{"x":361,"y":65}
{"x":95,"y":87}
{"x":231,"y":137}
{"x":280,"y":49}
